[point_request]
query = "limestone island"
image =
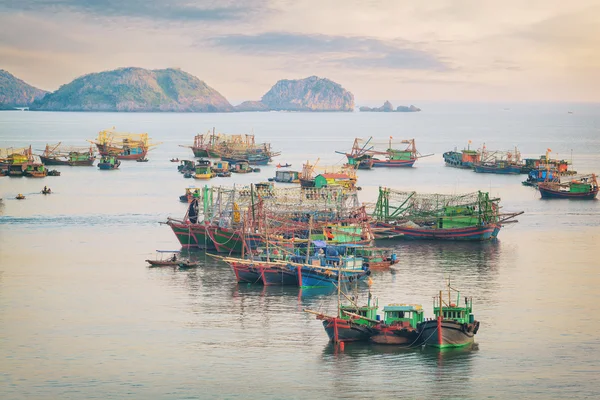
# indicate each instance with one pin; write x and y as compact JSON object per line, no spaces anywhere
{"x":308,"y":94}
{"x":388,"y":107}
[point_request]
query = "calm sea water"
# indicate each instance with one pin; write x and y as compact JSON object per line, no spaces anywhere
{"x":81,"y":316}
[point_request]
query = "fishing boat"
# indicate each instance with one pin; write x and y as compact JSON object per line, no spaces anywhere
{"x":186,"y":166}
{"x":174,"y":159}
{"x":218,"y":216}
{"x":462,"y":159}
{"x":452,"y":326}
{"x":286,"y":177}
{"x":240,"y":167}
{"x":165,"y":258}
{"x":16,"y":161}
{"x":142,"y":159}
{"x":359,"y":156}
{"x":286,"y":165}
{"x":395,"y":157}
{"x":35,"y":169}
{"x":353,"y":323}
{"x":46,"y":190}
{"x":534,"y":177}
{"x":583,"y":188}
{"x":399,"y":325}
{"x":499,"y":162}
{"x":20,"y":197}
{"x":408,"y":215}
{"x":123,"y":146}
{"x":109,"y":162}
{"x":562,"y":167}
{"x":206,"y":145}
{"x":72,"y":156}
{"x":220,"y":167}
{"x":232,"y":147}
{"x":204,"y":170}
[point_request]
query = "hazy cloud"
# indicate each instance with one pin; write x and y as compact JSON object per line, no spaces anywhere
{"x":358,"y":52}
{"x":154,"y":9}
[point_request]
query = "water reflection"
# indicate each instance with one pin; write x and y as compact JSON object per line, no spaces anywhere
{"x":413,"y":372}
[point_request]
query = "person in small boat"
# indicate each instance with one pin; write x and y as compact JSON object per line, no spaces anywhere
{"x":174,"y":258}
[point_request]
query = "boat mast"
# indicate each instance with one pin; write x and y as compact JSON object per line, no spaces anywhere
{"x":308,"y":241}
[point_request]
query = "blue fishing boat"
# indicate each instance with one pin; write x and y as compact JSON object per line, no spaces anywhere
{"x":109,"y":162}
{"x":498,"y":167}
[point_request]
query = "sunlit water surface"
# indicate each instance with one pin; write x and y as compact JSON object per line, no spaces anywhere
{"x":81,"y":315}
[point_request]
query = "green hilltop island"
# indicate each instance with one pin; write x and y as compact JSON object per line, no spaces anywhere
{"x":135,"y":90}
{"x":14,"y":93}
{"x":388,"y":107}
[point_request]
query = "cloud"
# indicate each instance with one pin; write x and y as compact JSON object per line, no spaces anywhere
{"x":357,"y":51}
{"x":175,"y":10}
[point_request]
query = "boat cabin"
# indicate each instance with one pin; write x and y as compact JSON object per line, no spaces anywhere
{"x":333,"y":179}
{"x":35,"y":170}
{"x":403,"y":155}
{"x":287,"y":176}
{"x":369,"y":312}
{"x":403,"y":314}
{"x":452,"y":311}
{"x":220,"y":166}
{"x":241,"y":167}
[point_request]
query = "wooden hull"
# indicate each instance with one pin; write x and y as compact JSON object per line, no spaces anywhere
{"x":279,"y":276}
{"x":509,"y":170}
{"x":120,"y":153}
{"x":378,"y":264}
{"x":548,"y":193}
{"x":246,"y":272}
{"x":108,"y":166}
{"x":317,"y":277}
{"x":396,"y":335}
{"x":155,"y":263}
{"x":393,"y":163}
{"x":346,"y":330}
{"x":191,"y":235}
{"x":53,"y":161}
{"x":449,"y":334}
{"x":471,"y":233}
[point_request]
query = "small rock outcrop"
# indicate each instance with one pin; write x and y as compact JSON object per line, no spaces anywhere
{"x":16,"y":93}
{"x":135,"y":89}
{"x":388,"y":107}
{"x":309,"y":94}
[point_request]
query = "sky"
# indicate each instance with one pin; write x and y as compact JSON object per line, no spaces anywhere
{"x":446,"y":50}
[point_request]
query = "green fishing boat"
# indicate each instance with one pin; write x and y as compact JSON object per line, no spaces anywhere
{"x":453,"y":325}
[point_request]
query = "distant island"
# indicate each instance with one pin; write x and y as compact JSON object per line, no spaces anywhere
{"x":309,"y":94}
{"x":16,"y":93}
{"x":135,"y":89}
{"x":168,"y":90}
{"x":388,"y":107}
